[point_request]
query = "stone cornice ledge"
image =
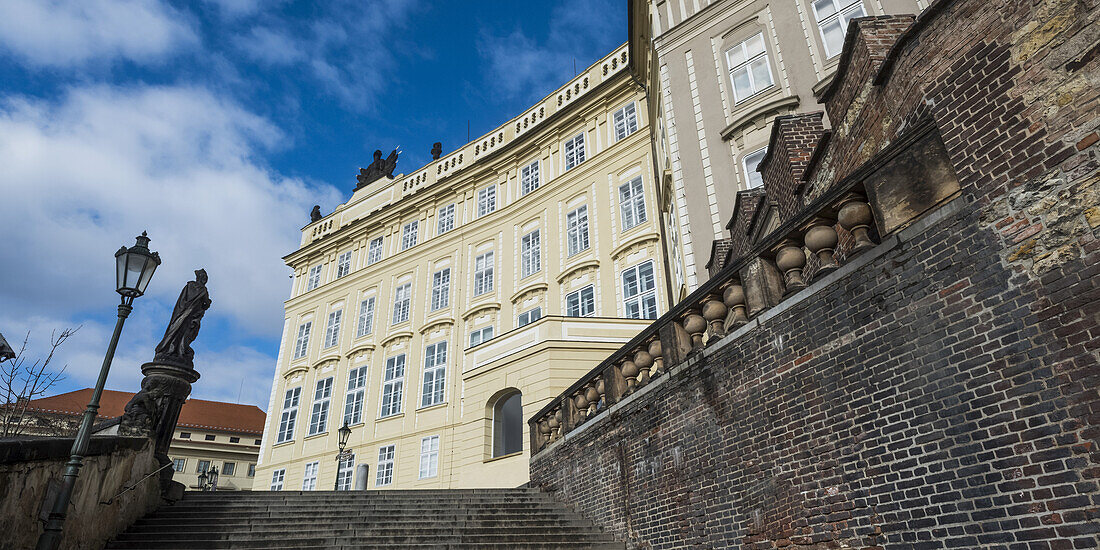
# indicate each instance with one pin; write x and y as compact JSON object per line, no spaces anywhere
{"x":748,"y":118}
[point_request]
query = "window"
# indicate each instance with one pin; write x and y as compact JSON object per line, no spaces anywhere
{"x":429,"y":456}
{"x":483,"y":274}
{"x":353,"y":402}
{"x":309,"y":478}
{"x":322,"y":398}
{"x":632,"y":203}
{"x":366,"y":317}
{"x":343,"y":264}
{"x":446,"y":219}
{"x":486,"y":200}
{"x":185,"y":435}
{"x":576,"y":230}
{"x":409,"y":233}
{"x":749,"y":69}
{"x":832,"y":20}
{"x":574,"y":151}
{"x":258,"y":441}
{"x":251,"y":470}
{"x":374,"y":250}
{"x":581,"y":303}
{"x":750,"y":162}
{"x":392,"y":386}
{"x":508,"y":425}
{"x":529,"y":316}
{"x":203,"y":467}
{"x":301,"y":345}
{"x":345,"y":472}
{"x":209,"y":437}
{"x":435,"y":374}
{"x":529,"y":178}
{"x":314,"y":279}
{"x":441,"y":288}
{"x":401,"y":299}
{"x":332,"y":331}
{"x":290,"y":415}
{"x":481,"y":335}
{"x":640,"y":292}
{"x":626,"y":121}
{"x":385,"y":466}
{"x":277,"y":479}
{"x":178,"y":464}
{"x":530,"y":254}
{"x":228,"y":468}
{"x":234,"y":440}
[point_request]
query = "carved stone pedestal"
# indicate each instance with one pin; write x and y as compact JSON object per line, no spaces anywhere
{"x":154,"y":411}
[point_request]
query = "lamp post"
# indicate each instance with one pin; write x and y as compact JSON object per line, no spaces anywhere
{"x":134,"y":268}
{"x":344,"y":433}
{"x":213,"y":479}
{"x":202,"y":480}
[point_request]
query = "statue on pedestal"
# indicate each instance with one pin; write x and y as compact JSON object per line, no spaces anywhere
{"x":380,"y":167}
{"x":175,"y":347}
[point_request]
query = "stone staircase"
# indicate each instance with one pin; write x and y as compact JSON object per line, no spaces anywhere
{"x":428,"y":519}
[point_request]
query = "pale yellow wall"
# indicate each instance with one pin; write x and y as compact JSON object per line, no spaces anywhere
{"x":219,"y":451}
{"x":541,"y":359}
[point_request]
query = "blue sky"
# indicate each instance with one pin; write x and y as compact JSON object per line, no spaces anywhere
{"x":216,"y":125}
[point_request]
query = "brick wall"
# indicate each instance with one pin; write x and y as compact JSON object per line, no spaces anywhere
{"x":943,"y":394}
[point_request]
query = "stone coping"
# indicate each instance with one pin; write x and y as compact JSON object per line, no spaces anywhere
{"x":30,"y":448}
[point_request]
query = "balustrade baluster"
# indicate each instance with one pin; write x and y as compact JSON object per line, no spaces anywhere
{"x":855,"y":216}
{"x":790,"y":259}
{"x":734,"y":298}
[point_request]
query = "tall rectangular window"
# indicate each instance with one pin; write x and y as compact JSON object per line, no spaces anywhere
{"x":309,"y":477}
{"x":576,"y":230}
{"x":429,"y":456}
{"x":640,"y":291}
{"x":749,"y":70}
{"x":435,"y":374}
{"x":392,"y":386}
{"x":528,"y":317}
{"x":290,"y":415}
{"x":749,"y":163}
{"x":581,"y":303}
{"x":345,"y":473}
{"x":441,"y":288}
{"x":322,"y":399}
{"x":402,"y":297}
{"x":301,"y":344}
{"x":353,"y":402}
{"x":530,"y":252}
{"x":374,"y":250}
{"x":178,"y":464}
{"x":277,"y":478}
{"x":632,"y":203}
{"x":481,"y":335}
{"x":409,"y":234}
{"x":446,"y":219}
{"x":483,"y":274}
{"x":251,"y":470}
{"x":625,"y":121}
{"x":529,"y":178}
{"x":343,"y":264}
{"x":332,"y":330}
{"x":832,"y":20}
{"x":385,"y":466}
{"x":486,"y":200}
{"x":366,"y":317}
{"x":202,"y":467}
{"x":228,"y":468}
{"x":314,"y":279}
{"x":574,"y":151}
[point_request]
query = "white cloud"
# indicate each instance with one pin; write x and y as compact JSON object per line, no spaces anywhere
{"x":270,"y":46}
{"x":63,"y":33}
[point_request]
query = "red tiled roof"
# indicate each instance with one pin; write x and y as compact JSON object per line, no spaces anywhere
{"x":196,"y":413}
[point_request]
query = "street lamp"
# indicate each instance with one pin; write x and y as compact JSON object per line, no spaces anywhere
{"x":134,"y":268}
{"x":202,"y":480}
{"x":213,"y":479}
{"x":344,"y":433}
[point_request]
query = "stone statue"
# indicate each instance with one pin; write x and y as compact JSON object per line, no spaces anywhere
{"x":175,"y":347}
{"x":437,"y":149}
{"x":380,"y":167}
{"x":315,"y":214}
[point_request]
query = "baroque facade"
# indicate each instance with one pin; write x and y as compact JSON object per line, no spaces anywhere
{"x":431,"y":312}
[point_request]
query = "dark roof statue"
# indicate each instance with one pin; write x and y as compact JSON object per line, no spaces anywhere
{"x":175,"y":347}
{"x":315,"y":214}
{"x":437,"y":149}
{"x":380,"y":167}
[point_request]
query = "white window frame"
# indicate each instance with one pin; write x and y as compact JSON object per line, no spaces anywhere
{"x":441,"y":289}
{"x":632,"y":203}
{"x":309,"y":476}
{"x":289,"y":417}
{"x":750,"y":171}
{"x":252,"y":470}
{"x":429,"y":457}
{"x":577,"y":297}
{"x":277,"y":479}
{"x":179,"y":464}
{"x":202,"y":466}
{"x":625,"y":121}
{"x":384,"y":475}
{"x":345,"y":472}
{"x":402,"y":302}
{"x":530,"y":253}
{"x":576,"y":232}
{"x":301,"y":343}
{"x":435,"y":374}
{"x":487,"y":200}
{"x":446,"y":219}
{"x":410,"y":232}
{"x":366,"y":317}
{"x":641,"y":297}
{"x":483,"y":273}
{"x":749,"y":60}
{"x":375,"y":250}
{"x":529,"y":178}
{"x":843,"y":12}
{"x":343,"y":264}
{"x":314,"y":279}
{"x":573,"y":151}
{"x":393,"y":386}
{"x":332,"y":329}
{"x":322,"y":404}
{"x":356,"y":396}
{"x":480,"y":333}
{"x":228,"y":469}
{"x":528,"y":317}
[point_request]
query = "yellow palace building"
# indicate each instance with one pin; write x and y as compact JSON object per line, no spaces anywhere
{"x":434,"y":311}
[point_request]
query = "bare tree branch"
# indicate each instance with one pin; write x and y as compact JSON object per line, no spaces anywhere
{"x":21,"y":382}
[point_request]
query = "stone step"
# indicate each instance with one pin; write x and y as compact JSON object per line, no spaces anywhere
{"x":422,"y":534}
{"x":425,"y":508}
{"x":362,"y":502}
{"x":253,"y":524}
{"x":333,"y":545}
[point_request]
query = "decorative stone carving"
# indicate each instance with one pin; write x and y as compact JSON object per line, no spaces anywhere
{"x":855,"y":216}
{"x":695,"y":325}
{"x":821,"y":240}
{"x":714,"y":311}
{"x":437,"y":149}
{"x":378,"y":168}
{"x":175,"y":347}
{"x":555,"y":425}
{"x":592,"y":395}
{"x":630,"y":372}
{"x":658,"y":359}
{"x":644,"y":361}
{"x":790,"y":259}
{"x":315,"y":214}
{"x":734,"y":298}
{"x":580,"y":399}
